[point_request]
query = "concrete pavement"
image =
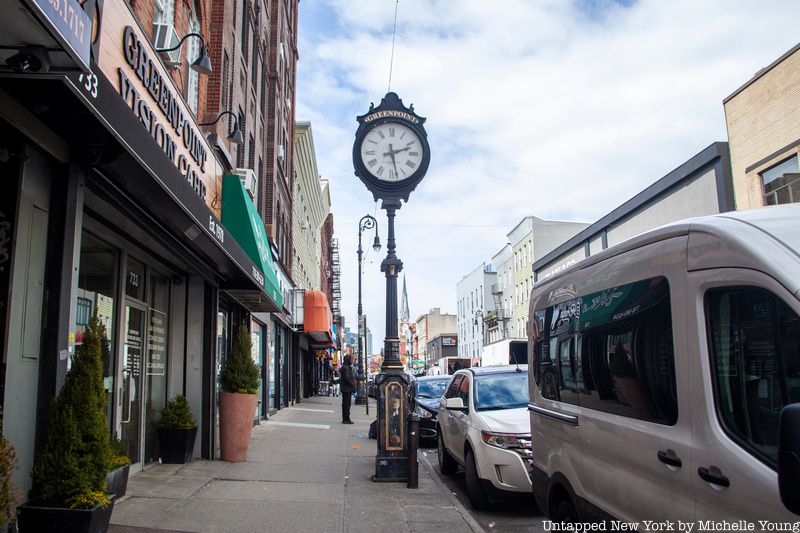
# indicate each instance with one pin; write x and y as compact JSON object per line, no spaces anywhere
{"x":305,"y":472}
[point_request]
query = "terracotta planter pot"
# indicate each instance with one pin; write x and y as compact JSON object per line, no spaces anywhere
{"x":235,"y":424}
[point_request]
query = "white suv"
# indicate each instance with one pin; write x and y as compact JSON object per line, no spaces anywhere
{"x":483,"y":425}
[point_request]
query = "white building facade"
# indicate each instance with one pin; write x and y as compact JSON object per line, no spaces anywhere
{"x":310,"y":209}
{"x":474,"y":302}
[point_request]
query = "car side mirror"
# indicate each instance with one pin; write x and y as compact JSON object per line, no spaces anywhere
{"x":789,"y":457}
{"x":455,"y":404}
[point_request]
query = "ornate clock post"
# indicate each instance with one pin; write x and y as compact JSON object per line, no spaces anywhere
{"x":391,"y":156}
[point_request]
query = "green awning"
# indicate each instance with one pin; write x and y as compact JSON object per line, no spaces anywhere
{"x":240,"y":217}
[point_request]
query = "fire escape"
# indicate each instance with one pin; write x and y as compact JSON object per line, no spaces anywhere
{"x":336,"y":287}
{"x":497,"y":318}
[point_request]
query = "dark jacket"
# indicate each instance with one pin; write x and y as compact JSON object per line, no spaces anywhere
{"x":348,"y":380}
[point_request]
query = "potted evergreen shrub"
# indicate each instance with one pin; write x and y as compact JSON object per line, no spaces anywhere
{"x":177,"y":431}
{"x":8,"y":491}
{"x":117,"y":478}
{"x":238,"y":399}
{"x":69,"y":472}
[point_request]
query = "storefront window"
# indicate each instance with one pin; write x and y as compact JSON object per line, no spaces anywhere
{"x":257,"y":336}
{"x":271,"y":366}
{"x":97,"y":277}
{"x":223,"y":319}
{"x":156,"y":363}
{"x":284,"y":369}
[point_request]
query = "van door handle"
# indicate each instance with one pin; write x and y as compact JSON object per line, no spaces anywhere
{"x":716,"y":479}
{"x":669,"y":458}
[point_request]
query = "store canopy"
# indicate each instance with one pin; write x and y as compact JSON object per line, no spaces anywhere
{"x":241,"y":219}
{"x":318,"y":319}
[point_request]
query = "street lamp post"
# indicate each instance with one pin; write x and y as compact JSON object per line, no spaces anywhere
{"x":366,"y":222}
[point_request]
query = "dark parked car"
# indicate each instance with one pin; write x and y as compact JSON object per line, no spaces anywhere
{"x":427,"y":391}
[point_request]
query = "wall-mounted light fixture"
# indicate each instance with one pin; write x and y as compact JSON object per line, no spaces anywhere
{"x":30,"y":59}
{"x":235,"y":135}
{"x":202,"y":64}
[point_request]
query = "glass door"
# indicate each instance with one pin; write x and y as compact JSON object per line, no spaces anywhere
{"x":155,"y":364}
{"x":134,"y":339}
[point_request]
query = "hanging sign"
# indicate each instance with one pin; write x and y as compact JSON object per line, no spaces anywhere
{"x":71,"y":26}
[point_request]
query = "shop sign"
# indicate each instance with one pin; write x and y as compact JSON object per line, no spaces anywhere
{"x":167,"y":110}
{"x":71,"y":26}
{"x":157,"y":344}
{"x":129,"y":61}
{"x":449,"y":341}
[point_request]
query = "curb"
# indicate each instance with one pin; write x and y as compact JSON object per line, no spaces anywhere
{"x":463,"y":511}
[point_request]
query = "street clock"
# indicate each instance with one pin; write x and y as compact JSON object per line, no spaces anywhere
{"x":391,"y":152}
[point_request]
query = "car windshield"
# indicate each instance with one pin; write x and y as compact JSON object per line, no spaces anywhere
{"x":508,"y":390}
{"x":432,"y":388}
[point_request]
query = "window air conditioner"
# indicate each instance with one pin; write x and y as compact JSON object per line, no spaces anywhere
{"x":281,"y":152}
{"x":164,"y":36}
{"x":249,"y":180}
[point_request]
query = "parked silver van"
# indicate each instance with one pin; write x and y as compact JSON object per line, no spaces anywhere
{"x":659,"y":370}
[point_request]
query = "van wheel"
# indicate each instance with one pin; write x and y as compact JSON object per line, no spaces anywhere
{"x":447,"y":465}
{"x":477,"y":496}
{"x":565,"y":512}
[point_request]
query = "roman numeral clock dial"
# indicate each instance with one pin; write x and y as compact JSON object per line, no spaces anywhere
{"x":391,"y":151}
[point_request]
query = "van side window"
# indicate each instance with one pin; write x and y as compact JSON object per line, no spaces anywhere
{"x":611,"y":351}
{"x":567,"y":383}
{"x":755,"y":356}
{"x":631,"y":368}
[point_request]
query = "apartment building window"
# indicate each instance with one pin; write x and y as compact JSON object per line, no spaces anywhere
{"x":264,"y":90}
{"x":260,"y":174}
{"x":158,"y":10}
{"x":226,"y":84}
{"x":254,"y":72}
{"x":240,"y":149}
{"x":782,"y":182}
{"x":252,"y":151}
{"x":164,"y":12}
{"x":192,"y":53}
{"x":245,"y":27}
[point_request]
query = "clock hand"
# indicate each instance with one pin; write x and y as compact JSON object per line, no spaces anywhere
{"x":394,"y":163}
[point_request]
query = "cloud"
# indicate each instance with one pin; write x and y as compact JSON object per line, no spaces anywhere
{"x":558,"y":109}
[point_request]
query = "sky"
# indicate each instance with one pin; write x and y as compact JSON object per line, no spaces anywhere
{"x":562,"y":109}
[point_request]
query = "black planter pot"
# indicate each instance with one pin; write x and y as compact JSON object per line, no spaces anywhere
{"x":117,"y":481}
{"x":35,"y":518}
{"x":176,"y":444}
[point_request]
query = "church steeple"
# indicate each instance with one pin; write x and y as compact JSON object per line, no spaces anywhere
{"x":405,"y":314}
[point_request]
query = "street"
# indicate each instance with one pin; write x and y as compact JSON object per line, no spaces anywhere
{"x":517,"y":512}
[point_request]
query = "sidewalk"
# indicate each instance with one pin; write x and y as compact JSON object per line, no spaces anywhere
{"x":305,"y":472}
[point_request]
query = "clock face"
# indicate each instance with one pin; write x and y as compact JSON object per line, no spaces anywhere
{"x":391,"y":151}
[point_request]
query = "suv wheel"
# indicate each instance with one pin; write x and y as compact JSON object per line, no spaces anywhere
{"x":447,"y":464}
{"x":565,"y":512}
{"x":475,"y":492}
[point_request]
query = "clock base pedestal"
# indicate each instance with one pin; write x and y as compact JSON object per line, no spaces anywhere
{"x":391,"y":461}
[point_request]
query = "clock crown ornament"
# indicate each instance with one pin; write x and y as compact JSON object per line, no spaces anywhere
{"x":391,"y":152}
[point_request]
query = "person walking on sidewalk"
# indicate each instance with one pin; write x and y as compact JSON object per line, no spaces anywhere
{"x":347,"y":384}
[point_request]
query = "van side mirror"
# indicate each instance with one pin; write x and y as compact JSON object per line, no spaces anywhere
{"x":455,"y":404}
{"x":789,"y":457}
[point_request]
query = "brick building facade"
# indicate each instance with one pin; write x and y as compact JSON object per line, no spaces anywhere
{"x":763,"y":119}
{"x":185,"y":16}
{"x":275,"y":198}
